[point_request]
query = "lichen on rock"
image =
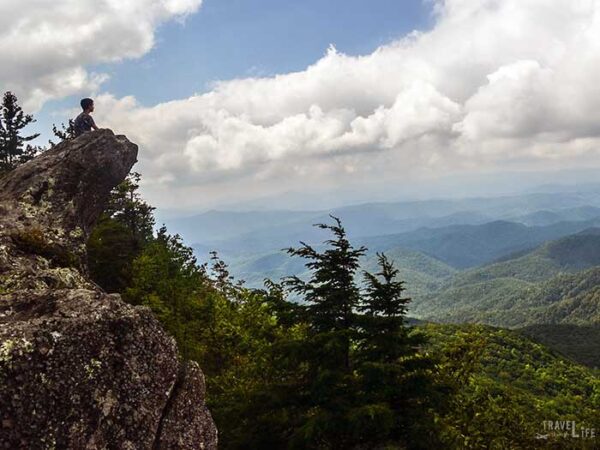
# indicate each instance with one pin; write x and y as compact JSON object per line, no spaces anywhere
{"x":79,"y":368}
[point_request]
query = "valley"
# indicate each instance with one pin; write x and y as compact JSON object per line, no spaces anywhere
{"x":529,"y":262}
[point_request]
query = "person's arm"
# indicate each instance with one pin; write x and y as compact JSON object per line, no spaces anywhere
{"x":94,"y":127}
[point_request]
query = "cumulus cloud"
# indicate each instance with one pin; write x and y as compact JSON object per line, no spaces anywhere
{"x":495,"y":84}
{"x":46,"y":45}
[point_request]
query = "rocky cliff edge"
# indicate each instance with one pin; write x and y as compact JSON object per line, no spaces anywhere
{"x":79,"y":368}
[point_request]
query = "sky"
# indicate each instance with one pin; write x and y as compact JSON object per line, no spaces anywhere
{"x":239,"y":102}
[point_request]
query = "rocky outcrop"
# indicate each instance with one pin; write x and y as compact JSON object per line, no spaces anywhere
{"x":79,"y":368}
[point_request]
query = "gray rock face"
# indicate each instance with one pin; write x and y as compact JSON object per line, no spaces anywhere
{"x":80,"y":368}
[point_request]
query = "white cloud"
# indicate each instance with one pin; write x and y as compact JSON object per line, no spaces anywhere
{"x":496,"y":84}
{"x":45,"y":45}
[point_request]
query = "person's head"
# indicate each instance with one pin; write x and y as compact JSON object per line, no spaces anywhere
{"x":87,"y":104}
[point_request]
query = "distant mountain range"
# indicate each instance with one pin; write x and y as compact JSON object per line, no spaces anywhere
{"x":512,"y":261}
{"x":262,"y":231}
{"x":528,"y":262}
{"x":464,"y":246}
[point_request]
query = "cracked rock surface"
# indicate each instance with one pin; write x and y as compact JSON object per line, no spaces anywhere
{"x":79,"y":368}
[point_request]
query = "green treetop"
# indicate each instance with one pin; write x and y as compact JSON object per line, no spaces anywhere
{"x":13,"y":150}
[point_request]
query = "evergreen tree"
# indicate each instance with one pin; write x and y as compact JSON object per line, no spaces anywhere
{"x":331,"y":296}
{"x":222,"y":279}
{"x":396,"y":386}
{"x":13,"y":150}
{"x":384,"y":336}
{"x":331,"y":293}
{"x":128,"y":208}
{"x":167,"y":278}
{"x":120,"y":236}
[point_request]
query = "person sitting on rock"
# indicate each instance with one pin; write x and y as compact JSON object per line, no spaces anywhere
{"x":84,"y":121}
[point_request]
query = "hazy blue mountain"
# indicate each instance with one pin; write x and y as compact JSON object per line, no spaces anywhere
{"x":260,"y":231}
{"x":464,"y":246}
{"x":568,"y":254}
{"x":273,"y":266}
{"x":461,"y":246}
{"x":214,"y":226}
{"x":276,"y":237}
{"x":577,"y":187}
{"x":545,"y":217}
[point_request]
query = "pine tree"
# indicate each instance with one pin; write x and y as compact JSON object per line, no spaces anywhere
{"x":222,"y":279}
{"x":331,"y":294}
{"x":120,"y":236}
{"x":396,"y":385}
{"x":13,"y":150}
{"x":384,"y":336}
{"x":127,"y":207}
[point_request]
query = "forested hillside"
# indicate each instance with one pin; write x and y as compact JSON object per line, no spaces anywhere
{"x":534,"y":288}
{"x":569,"y":254}
{"x":515,"y":384}
{"x":581,"y":343}
{"x":338,"y":367}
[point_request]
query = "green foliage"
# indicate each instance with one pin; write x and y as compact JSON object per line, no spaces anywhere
{"x":166,"y":278}
{"x":331,"y":297}
{"x":395,"y":377}
{"x":565,"y":298}
{"x":568,"y":299}
{"x":12,"y":143}
{"x":331,"y":293}
{"x":339,"y":369}
{"x":506,"y":386}
{"x":120,"y":236}
{"x":354,"y":376}
{"x":543,"y":286}
{"x":579,"y":343}
{"x":111,"y":252}
{"x":127,"y":207}
{"x":383,"y":335}
{"x":231,"y":331}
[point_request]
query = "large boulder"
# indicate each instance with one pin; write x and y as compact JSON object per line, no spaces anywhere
{"x":79,"y":368}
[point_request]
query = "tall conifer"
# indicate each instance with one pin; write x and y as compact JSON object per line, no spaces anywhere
{"x":331,"y":293}
{"x":384,"y":308}
{"x":13,"y":150}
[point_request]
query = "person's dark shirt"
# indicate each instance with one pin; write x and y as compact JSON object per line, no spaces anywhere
{"x":83,"y":123}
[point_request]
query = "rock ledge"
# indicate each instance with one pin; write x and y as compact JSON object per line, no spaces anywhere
{"x":79,"y":368}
